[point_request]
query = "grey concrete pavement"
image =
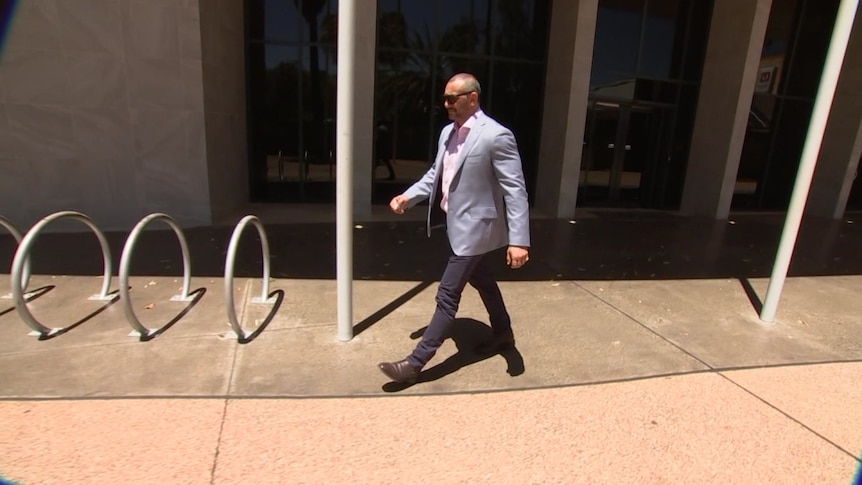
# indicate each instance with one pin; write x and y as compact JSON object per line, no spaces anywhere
{"x":568,"y":332}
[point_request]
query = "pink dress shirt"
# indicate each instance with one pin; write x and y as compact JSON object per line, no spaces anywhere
{"x":453,"y":152}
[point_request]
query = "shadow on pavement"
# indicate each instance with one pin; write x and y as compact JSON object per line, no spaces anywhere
{"x":604,"y":245}
{"x":198,"y":294}
{"x":467,"y":333}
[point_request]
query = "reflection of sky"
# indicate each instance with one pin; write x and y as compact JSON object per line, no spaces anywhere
{"x":277,"y":54}
{"x":280,"y":16}
{"x":774,"y":47}
{"x":617,"y":43}
{"x":7,"y":11}
{"x":421,"y":16}
{"x":284,"y":22}
{"x":417,"y":13}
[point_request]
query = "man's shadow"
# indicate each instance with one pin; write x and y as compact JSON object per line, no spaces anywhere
{"x":466,"y":334}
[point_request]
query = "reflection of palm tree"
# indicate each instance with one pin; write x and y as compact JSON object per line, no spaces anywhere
{"x":393,"y":34}
{"x":415,"y":66}
{"x":406,"y":90}
{"x":311,"y":9}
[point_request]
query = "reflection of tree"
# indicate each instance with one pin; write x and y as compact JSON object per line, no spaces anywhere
{"x":404,"y":90}
{"x":311,"y":9}
{"x":413,"y":61}
{"x":392,"y":35}
{"x":279,"y":108}
{"x":279,"y":86}
{"x":514,"y":36}
{"x":462,"y":37}
{"x":413,"y":66}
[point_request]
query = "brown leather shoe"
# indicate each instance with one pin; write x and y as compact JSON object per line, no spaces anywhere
{"x":400,"y":371}
{"x":498,"y":343}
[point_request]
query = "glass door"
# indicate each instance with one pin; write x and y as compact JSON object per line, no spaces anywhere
{"x":624,"y":155}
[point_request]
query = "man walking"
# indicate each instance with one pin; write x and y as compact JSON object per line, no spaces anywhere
{"x":478,"y":182}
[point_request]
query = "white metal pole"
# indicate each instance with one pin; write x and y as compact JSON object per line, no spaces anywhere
{"x":344,"y":151}
{"x":810,"y":151}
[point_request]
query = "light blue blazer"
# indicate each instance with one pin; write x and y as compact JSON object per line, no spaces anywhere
{"x":488,"y":206}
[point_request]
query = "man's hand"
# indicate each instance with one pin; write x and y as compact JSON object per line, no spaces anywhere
{"x":398,"y":204}
{"x":517,"y":256}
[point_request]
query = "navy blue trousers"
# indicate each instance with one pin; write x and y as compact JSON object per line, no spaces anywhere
{"x":460,"y":270}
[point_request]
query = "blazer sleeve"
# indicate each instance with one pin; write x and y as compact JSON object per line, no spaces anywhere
{"x":421,"y":190}
{"x":510,"y":175}
{"x":424,"y":187}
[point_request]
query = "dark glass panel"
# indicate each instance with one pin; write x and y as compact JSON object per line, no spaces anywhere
{"x":755,"y":151}
{"x":809,"y":48}
{"x":417,"y":19}
{"x":660,"y":29}
{"x":789,"y":132}
{"x":646,"y":153}
{"x":611,"y":84}
{"x":618,"y":35}
{"x":316,"y":18}
{"x":422,"y":44}
{"x":655,"y":91}
{"x":683,"y":125}
{"x":698,"y":13}
{"x":521,"y":29}
{"x":392,"y":29}
{"x":274,"y":20}
{"x":854,"y":200}
{"x":603,"y":120}
{"x":463,"y":26}
{"x":280,"y":104}
{"x":515,"y":100}
{"x":273,"y":109}
{"x":318,"y":102}
{"x":776,"y":45}
{"x":404,"y":100}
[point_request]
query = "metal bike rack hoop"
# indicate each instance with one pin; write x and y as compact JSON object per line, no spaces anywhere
{"x":230,"y":262}
{"x":23,"y":254}
{"x":17,"y":235}
{"x":138,"y":328}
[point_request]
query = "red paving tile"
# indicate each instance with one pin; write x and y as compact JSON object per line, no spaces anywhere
{"x":109,"y":441}
{"x":699,"y":428}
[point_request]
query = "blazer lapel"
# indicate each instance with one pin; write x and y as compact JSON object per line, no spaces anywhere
{"x":436,"y":216}
{"x":441,"y":150}
{"x":475,"y":131}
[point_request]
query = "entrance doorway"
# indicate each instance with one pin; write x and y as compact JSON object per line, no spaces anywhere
{"x":625,"y":156}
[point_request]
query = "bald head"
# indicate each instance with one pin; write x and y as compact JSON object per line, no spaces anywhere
{"x":468,"y":82}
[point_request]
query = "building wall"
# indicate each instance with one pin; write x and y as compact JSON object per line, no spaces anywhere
{"x":838,"y":162}
{"x":224,"y":102}
{"x":567,"y":87}
{"x":102,"y":110}
{"x":729,"y":76}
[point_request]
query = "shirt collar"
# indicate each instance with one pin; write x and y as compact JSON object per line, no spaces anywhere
{"x":470,"y":121}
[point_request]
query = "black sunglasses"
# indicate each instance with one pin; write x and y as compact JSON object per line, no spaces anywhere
{"x":451,"y":98}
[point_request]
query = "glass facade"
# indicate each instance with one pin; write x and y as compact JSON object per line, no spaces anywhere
{"x":794,"y":51}
{"x":422,"y":44}
{"x":644,"y":84}
{"x":647,"y":61}
{"x":291,"y":90}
